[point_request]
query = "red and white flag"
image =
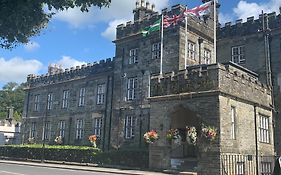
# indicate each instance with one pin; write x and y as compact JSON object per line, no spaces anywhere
{"x":199,"y":10}
{"x":174,"y":20}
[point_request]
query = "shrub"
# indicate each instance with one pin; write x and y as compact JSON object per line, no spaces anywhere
{"x":81,"y":154}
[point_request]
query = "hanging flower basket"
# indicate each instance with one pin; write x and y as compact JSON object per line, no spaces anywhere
{"x":191,"y":135}
{"x":93,"y":140}
{"x":58,"y":140}
{"x":209,"y":133}
{"x":174,"y":135}
{"x":150,"y":136}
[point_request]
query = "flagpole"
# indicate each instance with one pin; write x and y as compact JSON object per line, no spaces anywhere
{"x":215,"y":31}
{"x":186,"y":45}
{"x":161,"y":51}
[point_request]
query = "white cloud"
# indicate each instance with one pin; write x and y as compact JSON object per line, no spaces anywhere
{"x":31,"y":46}
{"x":245,"y":9}
{"x":110,"y":31}
{"x":68,"y":62}
{"x":119,"y":11}
{"x":16,"y":69}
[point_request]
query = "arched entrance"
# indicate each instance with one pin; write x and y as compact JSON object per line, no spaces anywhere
{"x":181,"y":117}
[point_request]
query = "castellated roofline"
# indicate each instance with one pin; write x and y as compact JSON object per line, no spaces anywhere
{"x":227,"y":78}
{"x":134,"y":27}
{"x":61,"y":75}
{"x":251,"y":25}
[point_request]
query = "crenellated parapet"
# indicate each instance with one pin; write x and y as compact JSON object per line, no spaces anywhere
{"x":228,"y":78}
{"x":58,"y":75}
{"x":265,"y":22}
{"x":149,"y":16}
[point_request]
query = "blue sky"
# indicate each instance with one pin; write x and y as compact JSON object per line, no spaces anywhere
{"x":74,"y":38}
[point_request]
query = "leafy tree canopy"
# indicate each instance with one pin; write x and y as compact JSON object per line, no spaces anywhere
{"x":12,"y":95}
{"x":22,"y":19}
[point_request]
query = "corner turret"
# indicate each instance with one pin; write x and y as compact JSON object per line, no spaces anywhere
{"x":142,"y":10}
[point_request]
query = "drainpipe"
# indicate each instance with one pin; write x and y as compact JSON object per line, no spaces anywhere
{"x":105,"y":113}
{"x":200,"y":41}
{"x":256,"y":140}
{"x":111,"y":111}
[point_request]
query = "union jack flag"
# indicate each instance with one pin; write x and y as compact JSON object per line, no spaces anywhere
{"x":174,"y":20}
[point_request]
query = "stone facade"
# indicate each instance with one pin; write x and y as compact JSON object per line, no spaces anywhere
{"x":215,"y":89}
{"x":260,"y":39}
{"x":121,"y":99}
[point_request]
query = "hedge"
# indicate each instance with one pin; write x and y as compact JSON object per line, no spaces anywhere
{"x":80,"y":154}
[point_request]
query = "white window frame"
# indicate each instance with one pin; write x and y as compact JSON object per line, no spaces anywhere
{"x":97,"y":126}
{"x":264,"y":132}
{"x":238,"y":54}
{"x":133,"y":56}
{"x":130,"y":124}
{"x":191,"y":50}
{"x":33,"y":130}
{"x":240,"y":168}
{"x":65,"y":99}
{"x":82,"y":93}
{"x":47,"y":130}
{"x":156,"y":50}
{"x":100,"y":94}
{"x":266,"y":168}
{"x":50,"y":101}
{"x":207,"y":56}
{"x":131,"y":88}
{"x":62,"y":128}
{"x":79,"y":129}
{"x":233,"y":122}
{"x":36,"y":102}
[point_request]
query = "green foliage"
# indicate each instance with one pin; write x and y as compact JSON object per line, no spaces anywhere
{"x":132,"y":158}
{"x":22,"y":19}
{"x":12,"y":95}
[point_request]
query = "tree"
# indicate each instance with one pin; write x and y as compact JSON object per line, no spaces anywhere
{"x":22,"y":19}
{"x":12,"y":95}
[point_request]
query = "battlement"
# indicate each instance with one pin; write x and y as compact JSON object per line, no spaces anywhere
{"x":131,"y":28}
{"x":227,"y":78}
{"x":270,"y":21}
{"x":57,"y":74}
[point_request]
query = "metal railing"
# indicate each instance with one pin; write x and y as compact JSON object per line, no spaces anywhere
{"x":237,"y":164}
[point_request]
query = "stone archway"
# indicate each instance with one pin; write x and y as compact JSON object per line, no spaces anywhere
{"x":181,"y":117}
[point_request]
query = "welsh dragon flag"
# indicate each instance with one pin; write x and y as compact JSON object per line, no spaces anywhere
{"x":152,"y":28}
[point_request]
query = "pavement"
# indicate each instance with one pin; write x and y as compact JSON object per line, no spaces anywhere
{"x":84,"y":167}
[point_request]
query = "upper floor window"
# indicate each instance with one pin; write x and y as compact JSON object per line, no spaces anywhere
{"x":238,"y":54}
{"x":79,"y":129}
{"x":207,"y":56}
{"x":156,"y":50}
{"x":191,"y":50}
{"x":131,"y":88}
{"x":82,"y":97}
{"x":264,"y":129}
{"x":100,"y":93}
{"x":47,"y":131}
{"x":36,"y":102}
{"x":233,"y":122}
{"x":65,"y":98}
{"x":133,"y":56}
{"x":98,"y":126}
{"x":62,"y":128}
{"x":50,"y":101}
{"x":130,"y":127}
{"x":33,"y":130}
